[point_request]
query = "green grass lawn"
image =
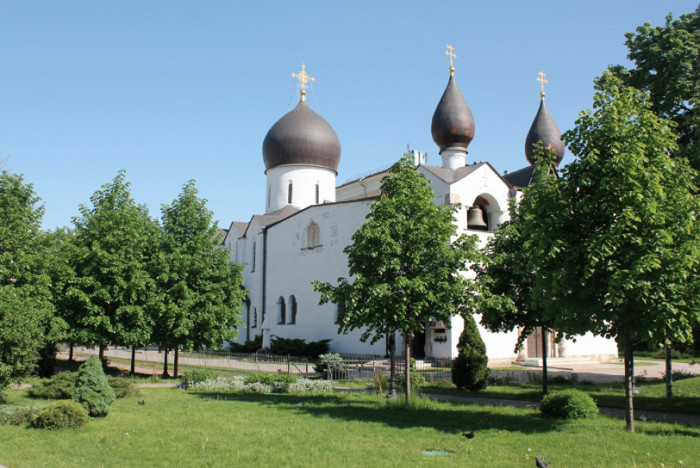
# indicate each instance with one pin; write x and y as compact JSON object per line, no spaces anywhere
{"x":178,"y":428}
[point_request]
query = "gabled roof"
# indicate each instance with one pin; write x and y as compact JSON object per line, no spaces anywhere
{"x":270,"y":218}
{"x":521,"y":178}
{"x":450,"y":176}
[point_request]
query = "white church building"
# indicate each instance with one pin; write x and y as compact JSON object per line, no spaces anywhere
{"x":308,"y":221}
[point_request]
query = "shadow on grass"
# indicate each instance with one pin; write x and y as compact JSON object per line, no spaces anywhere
{"x":445,"y":416}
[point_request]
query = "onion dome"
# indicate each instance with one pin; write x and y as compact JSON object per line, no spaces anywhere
{"x":545,"y":130}
{"x":453,"y":123}
{"x":301,"y":137}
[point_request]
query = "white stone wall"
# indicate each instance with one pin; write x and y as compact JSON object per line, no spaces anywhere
{"x":304,"y":180}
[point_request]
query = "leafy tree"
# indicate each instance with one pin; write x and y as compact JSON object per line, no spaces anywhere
{"x":26,"y":310}
{"x":513,"y":260}
{"x":667,"y":66}
{"x":92,"y":389}
{"x":111,"y":293}
{"x":470,"y":369}
{"x":201,"y":290}
{"x":404,"y":268}
{"x":629,"y":252}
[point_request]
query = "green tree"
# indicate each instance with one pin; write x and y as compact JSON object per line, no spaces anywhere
{"x":667,"y":66}
{"x":92,"y":389}
{"x":201,"y":290}
{"x":470,"y":369}
{"x":26,"y":309}
{"x":629,"y":252}
{"x":404,"y":268}
{"x":514,"y":258}
{"x":111,"y":292}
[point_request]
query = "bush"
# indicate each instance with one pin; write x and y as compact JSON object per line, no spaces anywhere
{"x":17,"y":415}
{"x":58,"y":387}
{"x":299,"y":347}
{"x":470,"y":369}
{"x":92,"y":388}
{"x":250,"y":346}
{"x":271,"y":379}
{"x":568,"y":404}
{"x":64,"y":413}
{"x":331,"y":366}
{"x":192,"y":376}
{"x":122,"y":387}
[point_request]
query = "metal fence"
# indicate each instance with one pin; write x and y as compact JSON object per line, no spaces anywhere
{"x":354,"y":366}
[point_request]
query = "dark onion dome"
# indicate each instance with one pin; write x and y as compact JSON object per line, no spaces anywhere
{"x":301,"y":137}
{"x":545,"y":130}
{"x":453,"y":123}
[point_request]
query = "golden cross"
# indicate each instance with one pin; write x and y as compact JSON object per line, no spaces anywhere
{"x":450,"y":52}
{"x":303,"y":78}
{"x":542,"y":81}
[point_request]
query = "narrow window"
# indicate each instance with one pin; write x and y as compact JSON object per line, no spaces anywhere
{"x":282,"y":312}
{"x":292,"y":310}
{"x":340,"y":313}
{"x":253,"y":262}
{"x":289,"y":193}
{"x":255,"y":318}
{"x":318,"y":193}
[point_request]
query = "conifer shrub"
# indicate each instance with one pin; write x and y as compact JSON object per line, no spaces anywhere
{"x":250,"y":346}
{"x":122,"y":387}
{"x":58,"y":387}
{"x":331,"y":366}
{"x":92,"y":389}
{"x":470,"y":369}
{"x":568,"y":404}
{"x":64,"y":413}
{"x":299,"y":347}
{"x":17,"y":415}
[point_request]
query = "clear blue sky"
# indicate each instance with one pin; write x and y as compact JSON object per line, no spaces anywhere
{"x":178,"y":90}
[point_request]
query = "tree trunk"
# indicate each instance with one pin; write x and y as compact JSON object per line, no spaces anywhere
{"x":545,"y":350}
{"x":177,"y":360}
{"x":165,"y":364}
{"x":669,"y":370}
{"x":629,"y":380}
{"x":133,"y":360}
{"x":101,"y":355}
{"x":407,"y":352}
{"x":392,"y":372}
{"x":70,"y":353}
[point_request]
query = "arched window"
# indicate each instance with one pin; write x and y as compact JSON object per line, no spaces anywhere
{"x":318,"y":193}
{"x":478,"y":215}
{"x":340,"y":312}
{"x":313,"y":235}
{"x":254,"y":323}
{"x":289,"y":193}
{"x":292,"y":310}
{"x":281,"y":311}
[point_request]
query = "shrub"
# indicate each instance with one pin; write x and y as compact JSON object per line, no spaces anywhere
{"x":470,"y":369}
{"x":92,"y":388}
{"x":299,"y":347}
{"x":250,"y":346}
{"x":17,"y":415}
{"x":331,"y":366}
{"x":122,"y":387}
{"x":271,"y":379}
{"x":310,"y":386}
{"x":64,"y":413}
{"x":198,"y":375}
{"x":58,"y":387}
{"x":568,"y":404}
{"x":315,"y":348}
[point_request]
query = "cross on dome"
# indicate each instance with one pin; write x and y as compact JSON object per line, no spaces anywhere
{"x":450,"y":52}
{"x":304,"y":79}
{"x":542,"y":81}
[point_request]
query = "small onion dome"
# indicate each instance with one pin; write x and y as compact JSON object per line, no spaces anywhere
{"x":545,"y":130}
{"x":453,"y":123}
{"x":301,"y":137}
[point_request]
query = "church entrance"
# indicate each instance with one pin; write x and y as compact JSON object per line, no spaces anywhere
{"x":418,"y":345}
{"x":534,"y":344}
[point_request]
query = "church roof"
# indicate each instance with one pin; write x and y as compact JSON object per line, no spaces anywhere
{"x":453,"y":123}
{"x":544,"y":129}
{"x":451,"y":176}
{"x":265,"y":220}
{"x":521,"y":178}
{"x":301,"y":137}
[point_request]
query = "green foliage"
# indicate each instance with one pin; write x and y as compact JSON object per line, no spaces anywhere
{"x":27,"y":318}
{"x":250,"y":346}
{"x":417,"y":380}
{"x":64,"y":413}
{"x":197,"y":375}
{"x":331,"y":366}
{"x":111,"y":253}
{"x":17,"y":415}
{"x":200,"y":290}
{"x":122,"y":387}
{"x":470,"y":369}
{"x":666,"y":64}
{"x":299,"y":347}
{"x":271,"y":379}
{"x":92,"y":389}
{"x":568,"y":404}
{"x":58,"y":387}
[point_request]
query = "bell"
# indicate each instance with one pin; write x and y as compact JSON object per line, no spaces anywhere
{"x":475,"y":219}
